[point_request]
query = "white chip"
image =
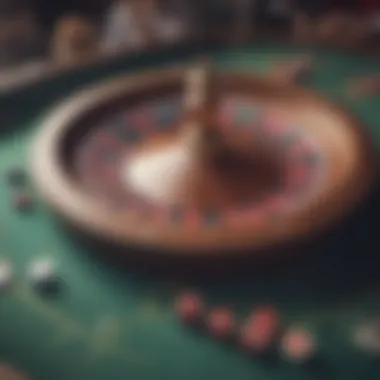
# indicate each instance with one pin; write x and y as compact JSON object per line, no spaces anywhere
{"x":6,"y":274}
{"x":367,"y":337}
{"x":42,"y":270}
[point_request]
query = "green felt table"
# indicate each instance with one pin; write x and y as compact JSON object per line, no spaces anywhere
{"x":110,"y":324}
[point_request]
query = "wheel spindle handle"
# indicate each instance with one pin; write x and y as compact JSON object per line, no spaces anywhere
{"x":200,"y":106}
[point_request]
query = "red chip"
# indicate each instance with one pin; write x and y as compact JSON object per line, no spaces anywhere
{"x":298,"y":345}
{"x":221,"y":322}
{"x":267,"y":317}
{"x":189,"y":307}
{"x":260,"y":330}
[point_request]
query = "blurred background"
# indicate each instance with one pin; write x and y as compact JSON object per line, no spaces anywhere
{"x":37,"y":36}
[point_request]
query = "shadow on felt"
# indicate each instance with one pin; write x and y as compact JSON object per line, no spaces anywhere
{"x":334,"y":266}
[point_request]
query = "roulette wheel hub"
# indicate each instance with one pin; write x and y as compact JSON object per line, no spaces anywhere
{"x":249,"y":163}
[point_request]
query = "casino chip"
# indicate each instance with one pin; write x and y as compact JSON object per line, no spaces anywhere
{"x":298,"y":345}
{"x":43,"y":275}
{"x":221,"y":323}
{"x":6,"y":275}
{"x":367,"y":337}
{"x":258,"y":333}
{"x":189,"y":307}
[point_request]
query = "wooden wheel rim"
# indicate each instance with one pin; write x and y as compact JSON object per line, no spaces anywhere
{"x":86,"y":212}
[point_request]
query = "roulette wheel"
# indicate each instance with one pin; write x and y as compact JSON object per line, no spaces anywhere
{"x":189,"y":160}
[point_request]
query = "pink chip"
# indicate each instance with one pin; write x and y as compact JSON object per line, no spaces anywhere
{"x":221,"y":323}
{"x":261,"y":328}
{"x":298,"y":345}
{"x":257,"y":342}
{"x":189,"y":307}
